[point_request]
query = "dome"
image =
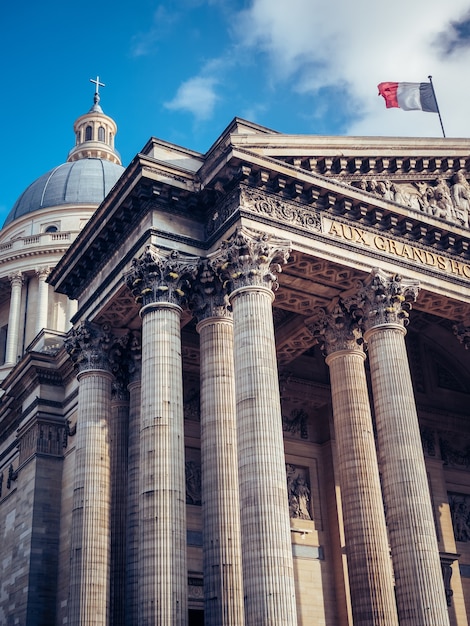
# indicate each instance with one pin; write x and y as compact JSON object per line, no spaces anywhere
{"x":86,"y":181}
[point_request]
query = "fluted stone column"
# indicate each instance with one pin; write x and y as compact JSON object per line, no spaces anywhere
{"x":12,"y":352}
{"x":119,"y":357}
{"x":418,"y":577}
{"x":249,"y":260}
{"x":223,"y":583}
{"x":368,"y":555}
{"x":133,"y":463}
{"x":90,"y":540}
{"x":159,"y":282}
{"x":43,"y":299}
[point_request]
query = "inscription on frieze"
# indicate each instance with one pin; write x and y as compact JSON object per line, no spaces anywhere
{"x":390,"y":247}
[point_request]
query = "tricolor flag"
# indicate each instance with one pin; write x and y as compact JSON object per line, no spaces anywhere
{"x":409,"y":96}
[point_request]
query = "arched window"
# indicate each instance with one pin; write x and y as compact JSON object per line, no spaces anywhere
{"x":101,"y":134}
{"x":51,"y":229}
{"x":88,"y":133}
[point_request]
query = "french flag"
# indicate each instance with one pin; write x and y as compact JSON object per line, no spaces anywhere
{"x":409,"y":96}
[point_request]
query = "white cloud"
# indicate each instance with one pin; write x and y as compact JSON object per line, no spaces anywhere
{"x":197,"y":96}
{"x":356,"y":45}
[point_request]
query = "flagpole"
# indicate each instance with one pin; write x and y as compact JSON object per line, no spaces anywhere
{"x":437,"y":106}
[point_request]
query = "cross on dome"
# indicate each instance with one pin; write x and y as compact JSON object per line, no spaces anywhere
{"x":97,"y":84}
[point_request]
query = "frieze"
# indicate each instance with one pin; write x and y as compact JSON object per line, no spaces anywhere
{"x":279,"y":209}
{"x":447,"y":200}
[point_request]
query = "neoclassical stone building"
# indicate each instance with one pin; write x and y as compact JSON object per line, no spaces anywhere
{"x":260,"y":415}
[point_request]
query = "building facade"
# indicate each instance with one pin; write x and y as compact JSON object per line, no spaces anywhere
{"x":261,"y":412}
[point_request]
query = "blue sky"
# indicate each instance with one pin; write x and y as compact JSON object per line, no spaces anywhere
{"x":181,"y":70}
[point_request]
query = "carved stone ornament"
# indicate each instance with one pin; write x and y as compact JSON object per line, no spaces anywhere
{"x":251,"y":258}
{"x":447,"y":200}
{"x":280,"y":210}
{"x":296,"y":423}
{"x":383,"y":299}
{"x":193,"y":482}
{"x":460,"y":512}
{"x":157,"y":277}
{"x":209,"y":298}
{"x":463,"y":334}
{"x":16,"y":279}
{"x":298,"y":492}
{"x":335,"y":330}
{"x":89,"y":346}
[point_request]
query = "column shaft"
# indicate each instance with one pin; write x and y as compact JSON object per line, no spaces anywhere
{"x":89,"y":585}
{"x":223,"y":584}
{"x":119,"y":474}
{"x":163,"y":571}
{"x":132,"y":559}
{"x":418,"y":576}
{"x":43,"y":300}
{"x":266,"y":542}
{"x":369,"y":566}
{"x":12,"y":351}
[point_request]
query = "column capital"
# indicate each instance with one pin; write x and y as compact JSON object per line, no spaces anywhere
{"x":88,"y":346}
{"x":161,"y":277}
{"x":16,"y":279}
{"x":336,"y":330}
{"x":250,"y":258}
{"x":383,"y":299}
{"x":462,"y":333}
{"x":43,"y":272}
{"x":209,"y":297}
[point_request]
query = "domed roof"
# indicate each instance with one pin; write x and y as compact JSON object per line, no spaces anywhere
{"x":86,"y":181}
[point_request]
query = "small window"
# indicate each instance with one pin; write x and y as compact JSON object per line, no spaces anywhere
{"x":88,"y":133}
{"x":78,"y":135}
{"x":51,"y":229}
{"x":101,"y":134}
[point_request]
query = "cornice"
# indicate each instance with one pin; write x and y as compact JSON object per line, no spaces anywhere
{"x":149,"y":184}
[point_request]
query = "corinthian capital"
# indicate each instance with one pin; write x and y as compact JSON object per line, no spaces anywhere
{"x":209,"y":297}
{"x":463,"y":334}
{"x":251,"y":258}
{"x":384,"y":299}
{"x":88,"y":346}
{"x":157,"y":277}
{"x":335,"y":330}
{"x":17,"y":278}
